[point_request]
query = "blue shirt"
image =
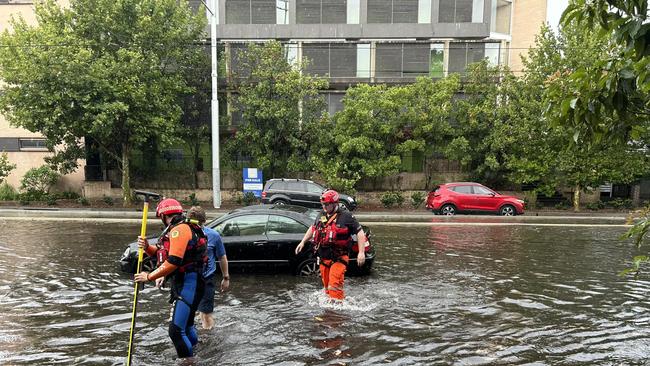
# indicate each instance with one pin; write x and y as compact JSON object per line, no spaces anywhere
{"x":215,"y":250}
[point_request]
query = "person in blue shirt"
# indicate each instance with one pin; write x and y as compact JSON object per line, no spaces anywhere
{"x":215,"y":251}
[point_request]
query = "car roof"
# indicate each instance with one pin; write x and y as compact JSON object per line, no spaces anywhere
{"x":290,"y":180}
{"x":271,"y":208}
{"x":462,"y":183}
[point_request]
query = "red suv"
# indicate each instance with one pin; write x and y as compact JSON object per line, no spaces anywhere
{"x":452,"y":198}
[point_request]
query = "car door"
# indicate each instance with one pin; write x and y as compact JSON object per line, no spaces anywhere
{"x":244,"y":237}
{"x":296,"y":191}
{"x":314,"y":191}
{"x":464,"y":197}
{"x":284,"y":233}
{"x":486,"y":198}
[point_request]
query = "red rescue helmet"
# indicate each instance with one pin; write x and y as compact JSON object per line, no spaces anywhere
{"x":168,"y":206}
{"x":329,"y":196}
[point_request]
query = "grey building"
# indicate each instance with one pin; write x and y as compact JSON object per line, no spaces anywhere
{"x":371,"y":41}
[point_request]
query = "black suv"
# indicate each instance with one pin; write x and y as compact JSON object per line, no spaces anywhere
{"x":299,"y":192}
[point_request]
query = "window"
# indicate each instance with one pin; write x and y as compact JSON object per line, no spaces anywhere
{"x":243,"y":226}
{"x":437,"y":60}
{"x":282,"y":12}
{"x":321,"y":11}
{"x":251,"y":11}
{"x":462,"y":189}
{"x":463,"y":54}
{"x":500,"y":19}
{"x":279,"y":185}
{"x":314,"y":188}
{"x":424,"y":11}
{"x":395,"y":60}
{"x":279,"y":225}
{"x":393,"y":11}
{"x":295,"y":186}
{"x":334,"y":102}
{"x":363,"y":60}
{"x":461,"y":11}
{"x":333,"y":59}
{"x":33,"y":144}
{"x":482,"y":191}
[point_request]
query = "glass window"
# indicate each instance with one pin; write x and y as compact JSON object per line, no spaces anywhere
{"x":354,"y":7}
{"x":424,"y":11}
{"x":464,"y":11}
{"x":343,"y":60}
{"x":462,"y":54}
{"x":279,"y":225}
{"x":291,"y":52}
{"x":492,"y":53}
{"x":334,"y":102}
{"x":278,"y":186}
{"x":308,"y":11}
{"x":314,"y":188}
{"x":295,"y":186}
{"x":482,"y":191}
{"x":238,"y":12}
{"x":321,"y":11}
{"x":243,"y":226}
{"x":363,"y":60}
{"x":393,"y":11}
{"x":405,"y":11}
{"x":317,"y":56}
{"x":477,"y":11}
{"x":263,"y":12}
{"x":460,"y":11}
{"x":437,"y":60}
{"x":416,"y":59}
{"x":388,"y":60}
{"x":334,"y":12}
{"x":462,"y":189}
{"x":446,"y":11}
{"x":380,"y":11}
{"x":500,"y":19}
{"x":33,"y":144}
{"x":282,"y":11}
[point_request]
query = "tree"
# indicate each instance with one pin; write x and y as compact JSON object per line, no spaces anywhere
{"x":378,"y":125}
{"x":278,"y":104}
{"x":5,"y":166}
{"x":107,"y":71}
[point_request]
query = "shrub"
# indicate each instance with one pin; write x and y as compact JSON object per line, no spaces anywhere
{"x":619,"y":203}
{"x":39,"y":180}
{"x":83,"y":201}
{"x":417,"y":199}
{"x":562,"y":205}
{"x":50,"y":199}
{"x":249,"y":198}
{"x":7,"y":192}
{"x":389,"y":199}
{"x":595,"y":205}
{"x":108,"y":200}
{"x":5,"y":166}
{"x":68,"y":195}
{"x":191,"y":200}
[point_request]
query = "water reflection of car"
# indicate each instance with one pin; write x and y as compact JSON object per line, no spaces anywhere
{"x":452,"y":198}
{"x":267,"y":235}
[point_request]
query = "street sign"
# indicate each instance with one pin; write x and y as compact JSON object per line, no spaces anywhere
{"x":253,"y":181}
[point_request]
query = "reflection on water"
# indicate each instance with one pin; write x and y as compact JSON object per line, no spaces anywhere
{"x":439,"y":295}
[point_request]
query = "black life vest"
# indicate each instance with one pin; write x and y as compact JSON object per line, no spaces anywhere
{"x":330,"y":240}
{"x":196,"y":251}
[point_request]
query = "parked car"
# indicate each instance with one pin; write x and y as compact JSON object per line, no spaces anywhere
{"x":299,"y":192}
{"x":452,"y":198}
{"x":265,"y":235}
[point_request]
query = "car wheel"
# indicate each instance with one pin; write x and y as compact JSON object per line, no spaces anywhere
{"x":507,"y":210}
{"x":280,"y":202}
{"x":448,"y":210}
{"x":307,"y":268}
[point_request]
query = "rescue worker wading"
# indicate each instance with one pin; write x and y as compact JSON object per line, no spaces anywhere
{"x":331,"y":235}
{"x":181,"y":256}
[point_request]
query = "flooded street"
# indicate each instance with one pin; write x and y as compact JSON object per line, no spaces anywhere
{"x":438,"y":295}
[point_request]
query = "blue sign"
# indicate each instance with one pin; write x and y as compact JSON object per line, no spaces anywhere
{"x":253,"y":181}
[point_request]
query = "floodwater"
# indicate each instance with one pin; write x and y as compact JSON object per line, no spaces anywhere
{"x":439,"y":295}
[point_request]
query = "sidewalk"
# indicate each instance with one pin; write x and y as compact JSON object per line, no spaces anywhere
{"x":416,"y":215}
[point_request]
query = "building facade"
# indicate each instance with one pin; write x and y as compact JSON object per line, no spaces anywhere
{"x":27,"y":149}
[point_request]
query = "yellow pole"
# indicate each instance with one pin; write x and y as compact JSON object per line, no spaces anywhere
{"x":136,"y":290}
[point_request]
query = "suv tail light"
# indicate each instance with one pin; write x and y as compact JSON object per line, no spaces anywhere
{"x":263,"y":194}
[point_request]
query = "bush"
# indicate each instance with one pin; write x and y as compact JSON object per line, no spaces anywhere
{"x":619,"y":203}
{"x":108,"y":200}
{"x":595,"y":205}
{"x":5,"y":166}
{"x":191,"y":200}
{"x":7,"y":192}
{"x":39,"y":180}
{"x":249,"y":198}
{"x":563,"y":205}
{"x":392,"y":198}
{"x":68,"y":195}
{"x":417,"y":199}
{"x":50,"y":199}
{"x":83,"y":201}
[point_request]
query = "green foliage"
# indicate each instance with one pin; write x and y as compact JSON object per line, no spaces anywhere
{"x":116,"y":76}
{"x":391,"y":198}
{"x":562,"y":205}
{"x":5,"y":166}
{"x":68,"y":195}
{"x":83,"y":201}
{"x":378,"y":125}
{"x":108,"y":200}
{"x":38,"y":181}
{"x":619,"y":203}
{"x":7,"y":192}
{"x":192,"y":200}
{"x":595,"y":205}
{"x":249,"y":198}
{"x":417,"y":199}
{"x":280,"y":107}
{"x":50,"y":199}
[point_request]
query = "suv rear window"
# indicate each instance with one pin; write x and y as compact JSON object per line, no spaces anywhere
{"x":295,"y":186}
{"x":278,"y":185}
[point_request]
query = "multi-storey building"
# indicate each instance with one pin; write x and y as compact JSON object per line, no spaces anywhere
{"x":371,"y":41}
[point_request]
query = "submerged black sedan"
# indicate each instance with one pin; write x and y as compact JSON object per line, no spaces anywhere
{"x":267,"y":235}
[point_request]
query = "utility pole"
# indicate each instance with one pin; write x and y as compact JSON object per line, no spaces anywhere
{"x":212,"y":12}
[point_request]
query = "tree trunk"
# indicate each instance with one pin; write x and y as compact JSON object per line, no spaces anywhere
{"x":576,"y":198}
{"x":126,"y":176}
